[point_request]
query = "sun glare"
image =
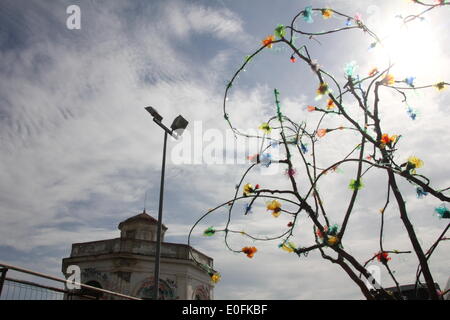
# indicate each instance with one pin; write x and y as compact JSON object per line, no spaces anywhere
{"x":411,"y":48}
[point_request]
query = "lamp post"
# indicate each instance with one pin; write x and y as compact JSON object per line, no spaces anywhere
{"x":179,"y":124}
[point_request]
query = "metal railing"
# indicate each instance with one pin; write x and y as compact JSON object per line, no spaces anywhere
{"x":19,"y":289}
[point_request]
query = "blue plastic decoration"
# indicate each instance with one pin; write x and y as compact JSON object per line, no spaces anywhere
{"x":248,"y":208}
{"x":412,"y":114}
{"x":421,"y":193}
{"x":304,"y":147}
{"x":307,"y":15}
{"x":410,"y":81}
{"x":443,"y":212}
{"x":265,"y":159}
{"x":350,"y":69}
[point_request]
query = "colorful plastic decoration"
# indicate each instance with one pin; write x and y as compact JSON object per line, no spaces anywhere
{"x":215,"y":277}
{"x":249,"y":251}
{"x":275,"y":207}
{"x":387,"y":140}
{"x":248,"y":189}
{"x":307,"y":15}
{"x":304,"y":147}
{"x":414,"y":163}
{"x":330,"y":104}
{"x":358,"y":18}
{"x":440,"y":85}
{"x":265,"y":159}
{"x":410,"y":81}
{"x":288,"y":246}
{"x":373,"y":72}
{"x":280,"y":31}
{"x":350,"y":69}
{"x":421,"y":193}
{"x":265,"y":127}
{"x":333,"y":230}
{"x":320,"y":234}
{"x":356,"y":184}
{"x":248,"y":208}
{"x":327,"y":13}
{"x":322,"y":90}
{"x":311,"y":108}
{"x":293,"y":59}
{"x":332,"y":240}
{"x":388,"y":80}
{"x":322,"y":132}
{"x":383,"y":257}
{"x":209,"y":232}
{"x":443,"y":212}
{"x":268,"y":41}
{"x":411,"y":113}
{"x":291,"y":172}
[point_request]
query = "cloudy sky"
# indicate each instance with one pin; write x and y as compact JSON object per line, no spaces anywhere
{"x":79,"y":152}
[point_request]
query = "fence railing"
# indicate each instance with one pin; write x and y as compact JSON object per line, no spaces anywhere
{"x":20,"y":289}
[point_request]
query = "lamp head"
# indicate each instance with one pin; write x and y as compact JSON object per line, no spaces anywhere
{"x":179,"y":124}
{"x":154,"y":113}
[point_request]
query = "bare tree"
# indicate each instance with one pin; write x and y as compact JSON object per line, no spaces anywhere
{"x":375,"y":151}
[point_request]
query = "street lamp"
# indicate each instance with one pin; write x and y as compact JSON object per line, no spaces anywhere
{"x":176,"y":130}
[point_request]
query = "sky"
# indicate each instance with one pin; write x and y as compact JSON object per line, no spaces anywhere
{"x":79,"y":152}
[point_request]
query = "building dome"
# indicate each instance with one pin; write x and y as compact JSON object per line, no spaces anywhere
{"x":141,"y":227}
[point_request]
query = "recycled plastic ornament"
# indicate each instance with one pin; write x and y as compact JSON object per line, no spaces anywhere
{"x":420,"y":193}
{"x":412,"y":164}
{"x":373,"y":72}
{"x":356,"y":184}
{"x":248,"y":208}
{"x":288,"y":246}
{"x":265,"y":159}
{"x":410,"y":81}
{"x":275,"y":207}
{"x":307,"y":15}
{"x":209,"y":232}
{"x":383,"y":257}
{"x":411,"y":113}
{"x":215,"y":277}
{"x":249,"y":189}
{"x":332,"y":240}
{"x":280,"y":31}
{"x":322,"y":132}
{"x":387,"y":140}
{"x":350,"y":69}
{"x":443,"y":212}
{"x":267,"y":42}
{"x":322,"y":90}
{"x":330,"y":104}
{"x":265,"y":127}
{"x":249,"y":251}
{"x":440,"y":85}
{"x":388,"y":80}
{"x":327,"y":13}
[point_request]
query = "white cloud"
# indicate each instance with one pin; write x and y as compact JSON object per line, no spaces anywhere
{"x":77,"y":148}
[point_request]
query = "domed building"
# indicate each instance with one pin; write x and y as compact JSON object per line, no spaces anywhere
{"x":126,"y":264}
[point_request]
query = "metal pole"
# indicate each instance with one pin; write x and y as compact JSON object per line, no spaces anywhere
{"x":158,"y":236}
{"x":2,"y":279}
